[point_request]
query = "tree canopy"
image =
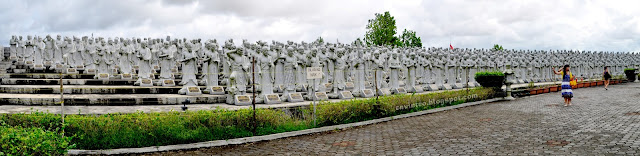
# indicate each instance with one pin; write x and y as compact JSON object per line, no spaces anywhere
{"x":497,"y":47}
{"x":381,"y":31}
{"x":409,"y":39}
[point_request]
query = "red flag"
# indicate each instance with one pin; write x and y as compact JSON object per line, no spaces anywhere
{"x":450,"y":46}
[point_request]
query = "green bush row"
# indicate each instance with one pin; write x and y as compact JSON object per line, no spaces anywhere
{"x":32,"y":141}
{"x":489,"y":73}
{"x":167,"y":128}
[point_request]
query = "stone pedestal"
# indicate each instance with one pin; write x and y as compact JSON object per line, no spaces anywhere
{"x":446,"y":87}
{"x":384,"y":91}
{"x":457,"y":86}
{"x":91,"y":71}
{"x":294,"y":97}
{"x":38,"y":67}
{"x":146,"y":83}
{"x":103,"y":76}
{"x":167,"y":83}
{"x":345,"y":95}
{"x":366,"y":93}
{"x":272,"y":99}
{"x":433,"y":87}
{"x":194,"y":90}
{"x":321,"y":96}
{"x":348,"y":85}
{"x":242,"y":100}
{"x":399,"y":90}
{"x":125,"y":76}
{"x":217,"y":90}
{"x":416,"y":89}
{"x":71,"y":71}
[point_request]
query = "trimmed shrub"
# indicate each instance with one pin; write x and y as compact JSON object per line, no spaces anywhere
{"x":490,"y":79}
{"x":630,"y":73}
{"x":32,"y":141}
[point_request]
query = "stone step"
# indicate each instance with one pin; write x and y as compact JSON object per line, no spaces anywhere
{"x":89,"y":89}
{"x":53,"y":75}
{"x":107,"y":99}
{"x":28,"y":81}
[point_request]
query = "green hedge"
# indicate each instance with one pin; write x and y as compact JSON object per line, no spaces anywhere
{"x":32,"y":141}
{"x":490,"y":78}
{"x":630,"y":73}
{"x":167,"y":128}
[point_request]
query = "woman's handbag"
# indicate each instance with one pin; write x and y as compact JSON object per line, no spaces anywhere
{"x":573,"y":82}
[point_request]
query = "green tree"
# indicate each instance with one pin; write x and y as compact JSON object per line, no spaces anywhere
{"x":381,"y":30}
{"x":497,"y":47}
{"x":320,"y":40}
{"x":409,"y":39}
{"x":358,"y":41}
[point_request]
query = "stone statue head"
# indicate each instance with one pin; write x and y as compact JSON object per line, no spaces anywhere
{"x":289,"y":51}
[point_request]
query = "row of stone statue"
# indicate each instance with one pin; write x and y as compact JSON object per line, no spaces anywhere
{"x":349,"y":69}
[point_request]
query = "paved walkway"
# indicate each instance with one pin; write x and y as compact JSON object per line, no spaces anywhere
{"x":599,"y":123}
{"x":12,"y":109}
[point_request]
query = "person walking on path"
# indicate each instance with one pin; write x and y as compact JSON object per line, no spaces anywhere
{"x":567,"y":77}
{"x":607,"y":76}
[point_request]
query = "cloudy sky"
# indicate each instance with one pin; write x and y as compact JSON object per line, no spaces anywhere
{"x":535,"y":24}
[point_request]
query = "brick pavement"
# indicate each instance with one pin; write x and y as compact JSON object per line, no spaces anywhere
{"x":599,"y":123}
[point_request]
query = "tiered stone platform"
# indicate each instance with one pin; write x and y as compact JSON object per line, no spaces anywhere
{"x":21,"y":86}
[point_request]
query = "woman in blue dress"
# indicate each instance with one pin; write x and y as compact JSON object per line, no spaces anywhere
{"x":567,"y":93}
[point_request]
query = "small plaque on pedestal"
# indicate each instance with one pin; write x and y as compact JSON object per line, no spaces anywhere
{"x":194,"y":91}
{"x":174,"y":70}
{"x":217,"y":90}
{"x":272,"y":99}
{"x":72,"y":71}
{"x":345,"y":95}
{"x":115,"y":70}
{"x":295,"y":97}
{"x":328,"y":86}
{"x":12,"y":57}
{"x":80,"y":67}
{"x":384,"y":91}
{"x":168,"y":83}
{"x":90,"y":71}
{"x":38,"y":67}
{"x":321,"y":96}
{"x":21,"y":60}
{"x":59,"y":66}
{"x":126,"y":76}
{"x":47,"y":63}
{"x":348,"y":85}
{"x":29,"y":63}
{"x":136,"y":67}
{"x":146,"y":83}
{"x":399,"y":90}
{"x":103,"y":76}
{"x":242,"y":100}
{"x":367,"y":93}
{"x":156,"y":67}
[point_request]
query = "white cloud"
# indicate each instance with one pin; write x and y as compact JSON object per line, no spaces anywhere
{"x":527,"y":24}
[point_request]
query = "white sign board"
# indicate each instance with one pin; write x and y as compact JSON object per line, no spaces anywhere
{"x":314,"y":72}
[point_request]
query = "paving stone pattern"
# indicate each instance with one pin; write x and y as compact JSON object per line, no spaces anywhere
{"x":599,"y":123}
